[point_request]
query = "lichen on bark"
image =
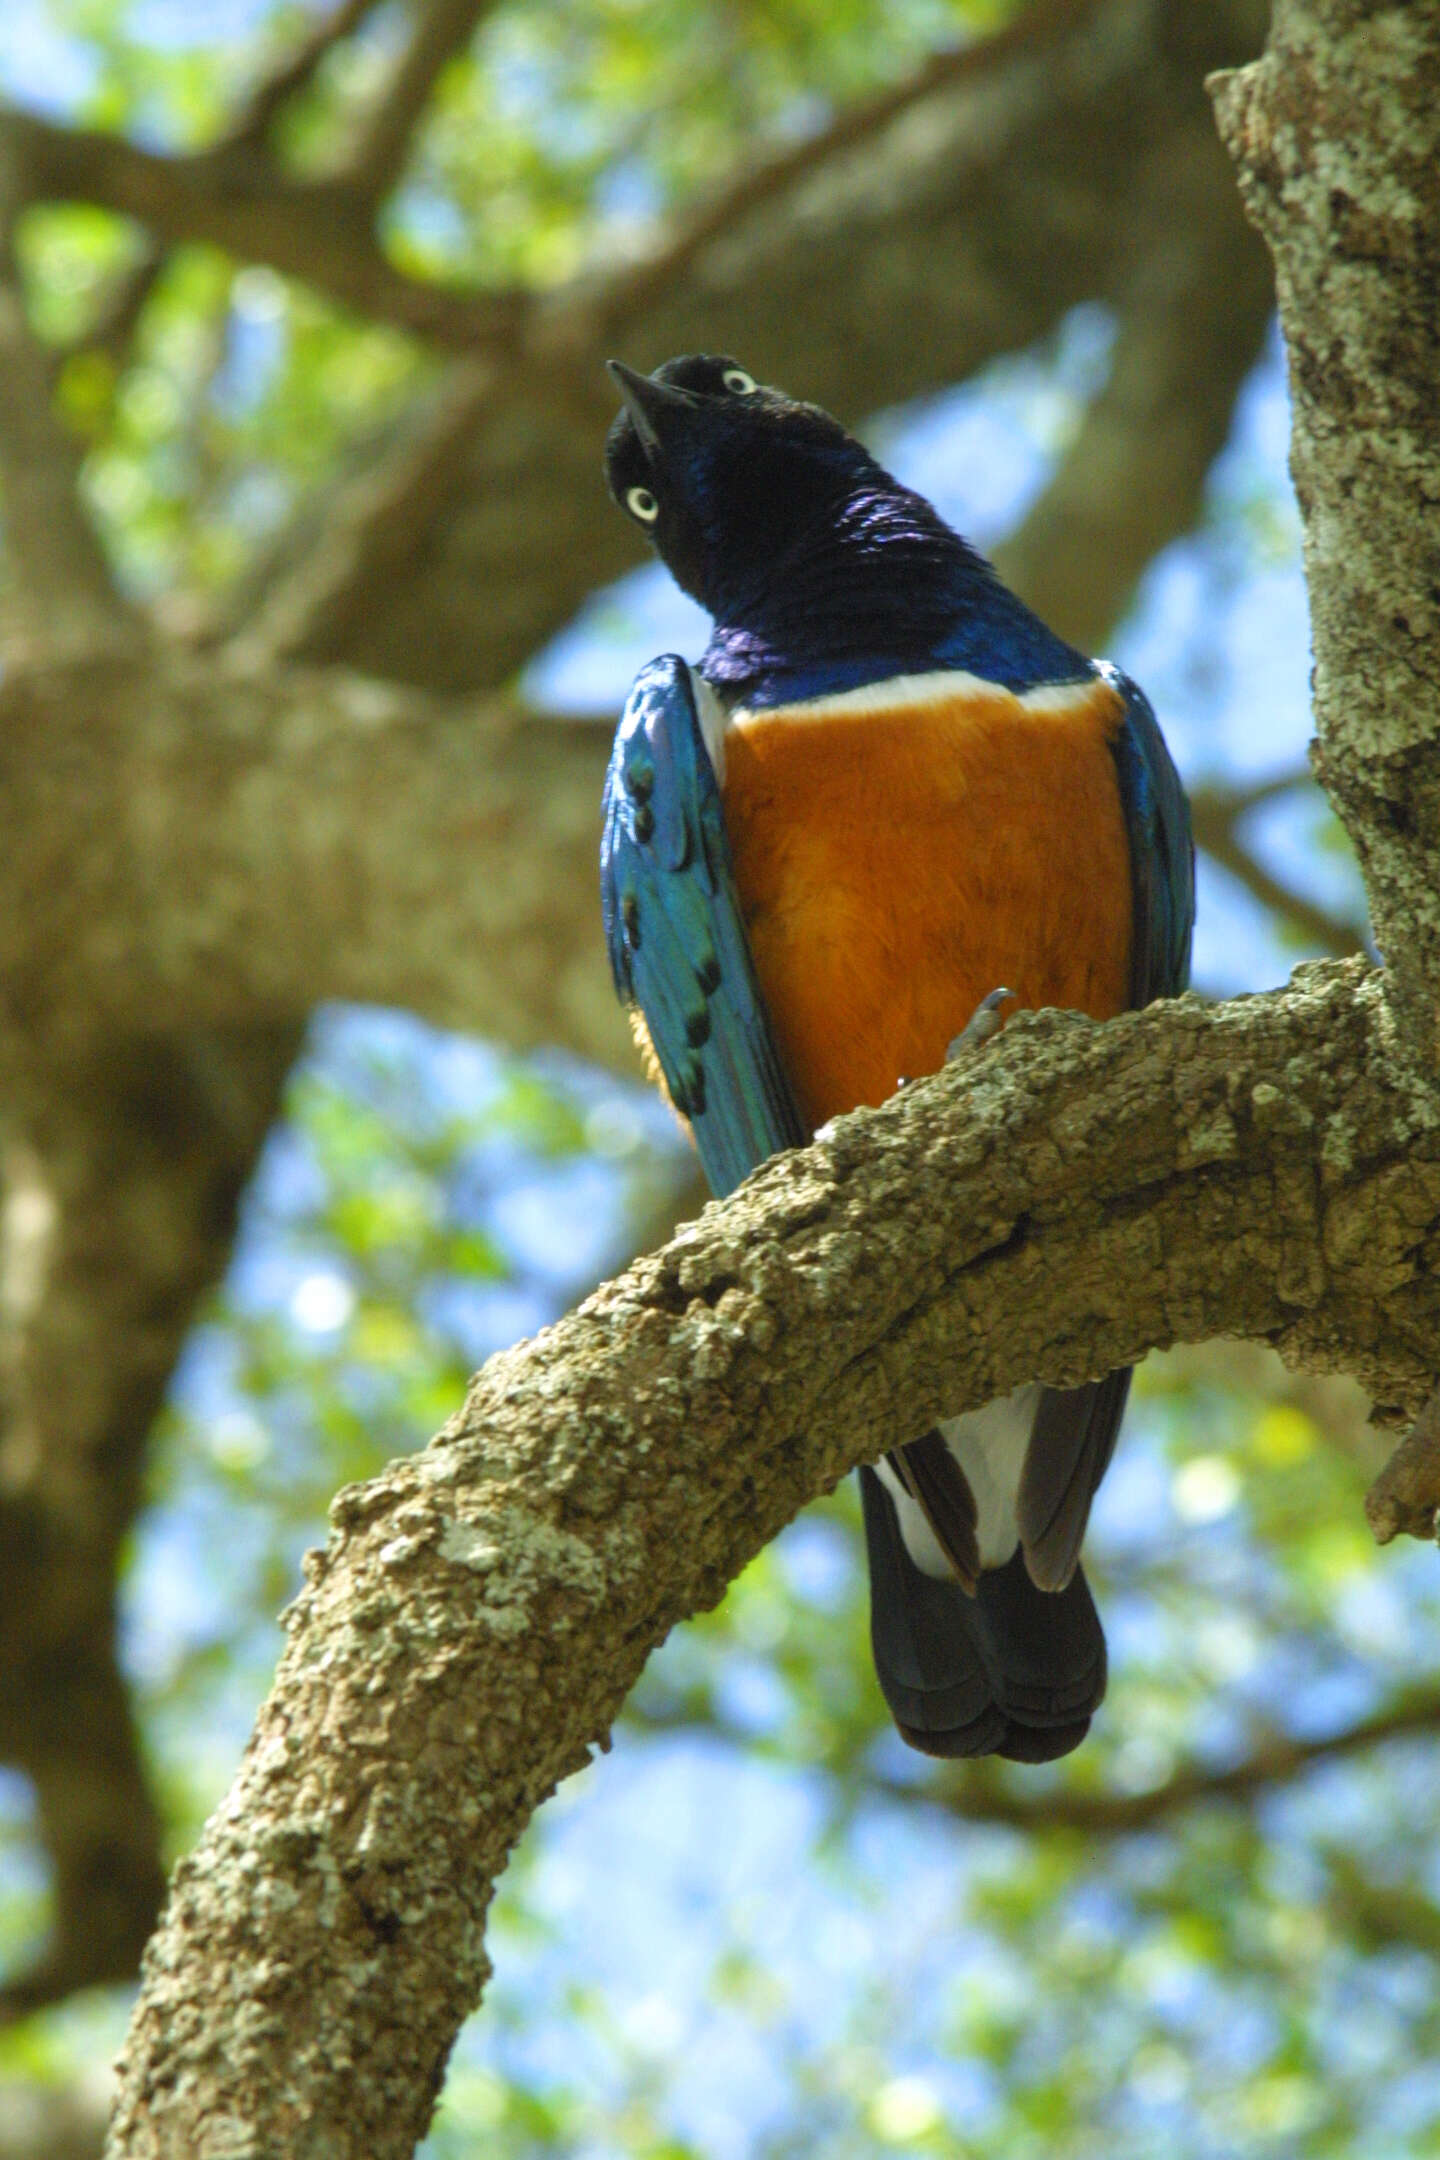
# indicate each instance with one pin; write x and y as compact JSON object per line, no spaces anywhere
{"x":1269,"y":1168}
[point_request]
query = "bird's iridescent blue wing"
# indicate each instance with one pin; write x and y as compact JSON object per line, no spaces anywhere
{"x":1162,"y":854}
{"x":1075,"y":1428}
{"x":678,"y":949}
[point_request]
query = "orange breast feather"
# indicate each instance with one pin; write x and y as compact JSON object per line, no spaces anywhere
{"x":897,"y":863}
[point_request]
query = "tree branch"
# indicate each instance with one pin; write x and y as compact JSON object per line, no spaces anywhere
{"x":235,"y":198}
{"x":167,"y":780}
{"x":1049,"y":1209}
{"x":117,"y":317}
{"x":1194,"y":311}
{"x":1230,"y":804}
{"x":374,"y":527}
{"x":887,"y":258}
{"x":983,"y":1792}
{"x":443,"y":29}
{"x":1010,"y":204}
{"x":369,"y":537}
{"x":125,"y":1161}
{"x":1028,"y":36}
{"x":1214,"y":816}
{"x":294,"y":71}
{"x":121,"y":308}
{"x":68,"y":605}
{"x":1382,"y":1915}
{"x":331,"y":838}
{"x":1405,"y":1497}
{"x":233,"y":195}
{"x":1276,"y":1760}
{"x":1356,"y":236}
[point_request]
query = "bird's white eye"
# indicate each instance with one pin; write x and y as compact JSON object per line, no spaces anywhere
{"x":735,"y":378}
{"x":642,"y":504}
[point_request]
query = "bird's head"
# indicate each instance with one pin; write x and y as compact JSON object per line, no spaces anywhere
{"x":723,"y":476}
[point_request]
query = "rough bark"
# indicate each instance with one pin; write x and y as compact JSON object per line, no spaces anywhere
{"x":1057,"y":1207}
{"x":1334,"y":136}
{"x":1074,"y":1196}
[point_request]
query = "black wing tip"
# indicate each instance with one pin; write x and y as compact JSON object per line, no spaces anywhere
{"x":1153,"y":796}
{"x":1013,"y":1671}
{"x":1071,"y":1443}
{"x":996,"y":1734}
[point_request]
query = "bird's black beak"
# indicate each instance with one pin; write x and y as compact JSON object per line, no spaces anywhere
{"x":655,"y":407}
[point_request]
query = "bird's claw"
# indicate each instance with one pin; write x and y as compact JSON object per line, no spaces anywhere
{"x":982,"y":1024}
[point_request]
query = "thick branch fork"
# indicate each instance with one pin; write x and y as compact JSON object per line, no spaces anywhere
{"x":1052,"y":1206}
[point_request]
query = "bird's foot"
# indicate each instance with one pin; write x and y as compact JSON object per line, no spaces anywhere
{"x":982,"y":1024}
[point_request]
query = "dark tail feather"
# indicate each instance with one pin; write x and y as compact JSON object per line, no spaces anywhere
{"x":1011,"y":1671}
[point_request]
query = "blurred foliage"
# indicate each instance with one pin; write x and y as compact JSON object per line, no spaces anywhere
{"x":553,"y":145}
{"x":762,"y":1928}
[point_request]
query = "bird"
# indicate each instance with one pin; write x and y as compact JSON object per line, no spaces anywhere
{"x":887,"y":803}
